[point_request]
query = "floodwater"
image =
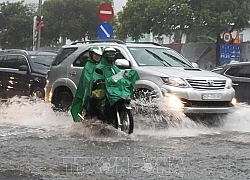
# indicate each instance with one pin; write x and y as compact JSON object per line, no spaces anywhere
{"x":39,"y":144}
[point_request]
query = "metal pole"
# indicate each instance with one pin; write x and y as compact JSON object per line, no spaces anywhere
{"x":39,"y":31}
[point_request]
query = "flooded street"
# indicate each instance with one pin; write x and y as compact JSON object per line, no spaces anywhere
{"x":37,"y":144}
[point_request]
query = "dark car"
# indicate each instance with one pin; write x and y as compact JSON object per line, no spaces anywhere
{"x":23,"y":73}
{"x":239,"y":72}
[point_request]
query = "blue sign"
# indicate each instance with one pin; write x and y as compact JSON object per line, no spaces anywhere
{"x":105,"y":31}
{"x":230,"y":52}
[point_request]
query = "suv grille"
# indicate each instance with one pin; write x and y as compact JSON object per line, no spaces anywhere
{"x":189,"y":103}
{"x":207,"y":84}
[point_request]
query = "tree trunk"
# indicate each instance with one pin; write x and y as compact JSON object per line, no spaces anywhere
{"x":63,"y":40}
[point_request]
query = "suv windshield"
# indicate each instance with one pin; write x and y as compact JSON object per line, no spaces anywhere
{"x":151,"y":56}
{"x":42,"y":61}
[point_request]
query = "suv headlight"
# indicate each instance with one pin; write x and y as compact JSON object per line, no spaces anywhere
{"x":174,"y":81}
{"x":228,"y":83}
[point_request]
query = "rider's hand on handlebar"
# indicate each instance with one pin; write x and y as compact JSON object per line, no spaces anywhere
{"x":84,"y":112}
{"x":125,"y":73}
{"x":99,"y":81}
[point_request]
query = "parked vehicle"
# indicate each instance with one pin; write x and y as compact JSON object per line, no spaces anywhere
{"x":239,"y":72}
{"x":23,"y":73}
{"x":162,"y":72}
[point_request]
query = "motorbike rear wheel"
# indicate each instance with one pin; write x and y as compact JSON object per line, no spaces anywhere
{"x":127,"y":121}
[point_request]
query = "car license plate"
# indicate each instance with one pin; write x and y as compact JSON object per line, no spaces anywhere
{"x":211,"y":96}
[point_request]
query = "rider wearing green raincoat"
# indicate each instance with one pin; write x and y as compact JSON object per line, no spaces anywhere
{"x":118,"y":84}
{"x":80,"y":104}
{"x":93,"y":96}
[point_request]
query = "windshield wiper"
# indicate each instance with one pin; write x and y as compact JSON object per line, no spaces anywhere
{"x":42,"y":64}
{"x":176,"y":59}
{"x":165,"y":63}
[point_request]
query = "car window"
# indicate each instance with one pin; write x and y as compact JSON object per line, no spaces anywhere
{"x":81,"y":59}
{"x":244,"y":71}
{"x":233,"y":71}
{"x":63,"y":54}
{"x":42,"y":61}
{"x":21,"y":60}
{"x":1,"y":60}
{"x":151,"y":56}
{"x":10,"y":62}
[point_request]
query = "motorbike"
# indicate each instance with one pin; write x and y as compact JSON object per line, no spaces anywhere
{"x":124,"y":119}
{"x":119,"y":114}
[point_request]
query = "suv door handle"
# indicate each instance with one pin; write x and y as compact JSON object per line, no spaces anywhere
{"x":72,"y":73}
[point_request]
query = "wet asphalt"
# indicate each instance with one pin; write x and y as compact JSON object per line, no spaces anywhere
{"x":37,"y":143}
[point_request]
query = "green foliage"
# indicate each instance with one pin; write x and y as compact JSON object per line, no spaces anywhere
{"x":16,"y":25}
{"x":71,"y":19}
{"x":199,"y":20}
{"x":195,"y":18}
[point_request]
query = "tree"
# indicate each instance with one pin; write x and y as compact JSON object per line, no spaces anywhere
{"x":16,"y":25}
{"x":156,"y":16}
{"x":200,"y":17}
{"x":132,"y":20}
{"x":195,"y":18}
{"x":74,"y":20}
{"x":213,"y":17}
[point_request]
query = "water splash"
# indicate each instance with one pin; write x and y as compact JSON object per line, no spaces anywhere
{"x":35,"y":113}
{"x":160,"y":120}
{"x":155,"y":119}
{"x":31,"y":112}
{"x":97,"y":131}
{"x":239,"y":120}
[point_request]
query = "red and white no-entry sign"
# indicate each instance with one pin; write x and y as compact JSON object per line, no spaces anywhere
{"x":227,"y":37}
{"x":106,"y":12}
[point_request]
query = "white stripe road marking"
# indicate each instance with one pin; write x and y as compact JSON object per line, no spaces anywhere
{"x":105,"y":12}
{"x":104,"y":30}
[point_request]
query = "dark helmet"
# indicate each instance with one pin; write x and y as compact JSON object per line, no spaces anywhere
{"x":109,"y":53}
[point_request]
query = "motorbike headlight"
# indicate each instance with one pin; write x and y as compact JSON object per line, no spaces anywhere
{"x":174,"y":81}
{"x":228,"y":83}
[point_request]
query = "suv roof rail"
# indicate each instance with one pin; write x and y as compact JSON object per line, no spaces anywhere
{"x":14,"y":51}
{"x":99,"y":41}
{"x":52,"y":51}
{"x":154,"y":43}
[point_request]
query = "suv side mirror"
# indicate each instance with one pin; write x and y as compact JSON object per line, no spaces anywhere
{"x":23,"y":68}
{"x":122,"y":63}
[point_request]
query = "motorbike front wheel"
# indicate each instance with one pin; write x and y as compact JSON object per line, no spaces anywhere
{"x":127,"y":121}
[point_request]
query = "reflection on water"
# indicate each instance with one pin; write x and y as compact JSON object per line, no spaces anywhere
{"x":149,"y":121}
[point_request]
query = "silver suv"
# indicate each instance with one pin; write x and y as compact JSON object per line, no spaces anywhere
{"x":162,"y":71}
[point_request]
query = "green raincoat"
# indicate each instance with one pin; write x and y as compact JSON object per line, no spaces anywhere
{"x":84,"y":89}
{"x":119,"y":84}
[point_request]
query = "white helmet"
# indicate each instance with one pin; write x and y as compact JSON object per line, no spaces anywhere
{"x":96,"y":49}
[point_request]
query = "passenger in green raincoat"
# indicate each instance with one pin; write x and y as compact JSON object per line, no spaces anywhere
{"x":81,"y":103}
{"x":118,"y":84}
